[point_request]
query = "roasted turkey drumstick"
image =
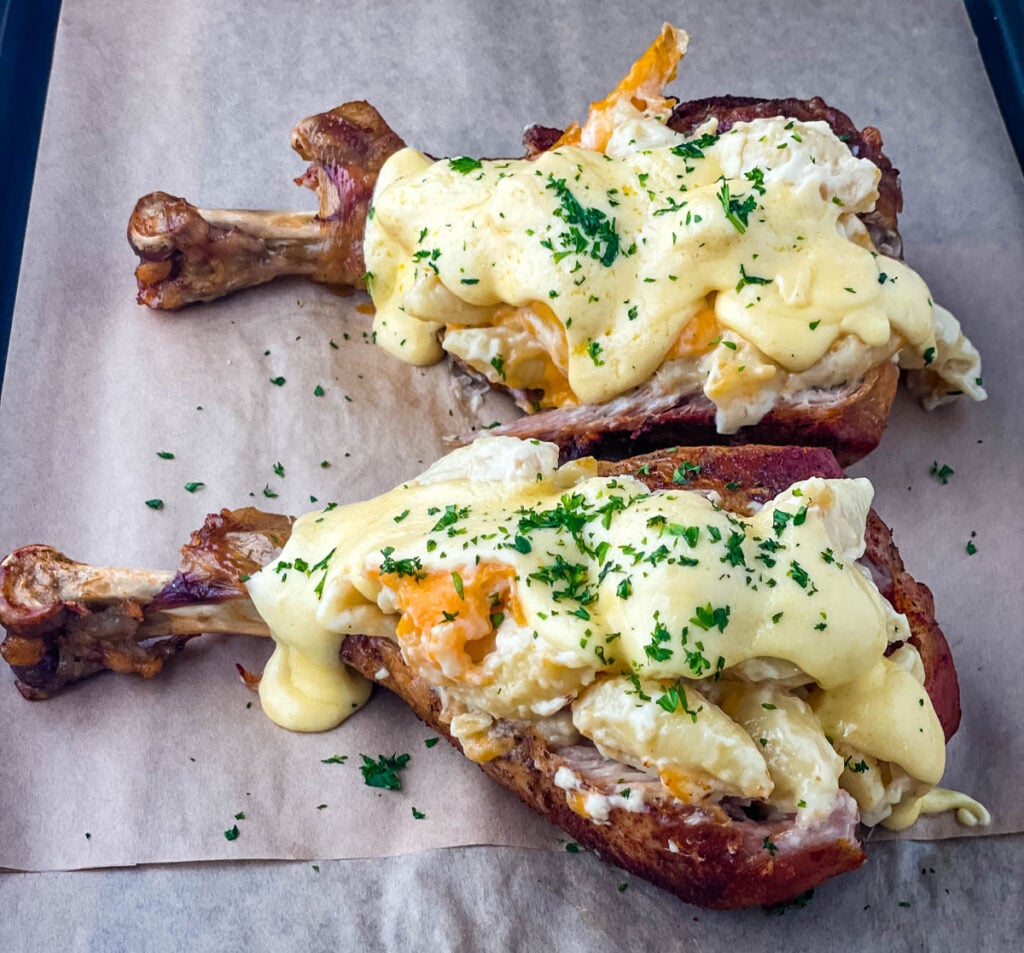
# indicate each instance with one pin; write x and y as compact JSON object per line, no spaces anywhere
{"x":189,"y":254}
{"x":66,"y":621}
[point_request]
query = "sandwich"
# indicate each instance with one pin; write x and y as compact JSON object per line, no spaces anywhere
{"x":724,"y":270}
{"x":709,"y":664}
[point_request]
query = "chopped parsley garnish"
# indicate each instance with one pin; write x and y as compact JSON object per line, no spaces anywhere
{"x":335,"y":759}
{"x":418,"y":815}
{"x":656,"y":649}
{"x":464,"y":164}
{"x":798,"y":574}
{"x":694,"y":148}
{"x":929,"y":355}
{"x":707,"y":618}
{"x":452,"y":514}
{"x":941,"y":473}
{"x":268,"y":493}
{"x":746,"y":279}
{"x":231,"y":833}
{"x":769,"y":846}
{"x":192,"y":487}
{"x":737,"y":211}
{"x":401,"y":567}
{"x":684,"y":471}
{"x":756,"y":177}
{"x":155,"y":504}
{"x":594,"y":353}
{"x":674,"y":699}
{"x":401,"y":516}
{"x":498,"y":363}
{"x":457,"y":583}
{"x":734,"y":549}
{"x":318,"y":391}
{"x":165,"y":454}
{"x":278,"y":381}
{"x":430,"y":742}
{"x":383,"y":773}
{"x":279,"y":469}
{"x":572,"y":848}
{"x":590,"y":230}
{"x":673,"y":206}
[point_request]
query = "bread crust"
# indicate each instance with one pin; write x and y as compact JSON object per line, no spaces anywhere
{"x":848,"y":420}
{"x":703,"y":855}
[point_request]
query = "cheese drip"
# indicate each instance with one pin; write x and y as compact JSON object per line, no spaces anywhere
{"x":713,"y":648}
{"x":736,"y":261}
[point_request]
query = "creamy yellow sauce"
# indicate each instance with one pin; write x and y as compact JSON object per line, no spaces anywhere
{"x":729,"y":654}
{"x":732,"y":264}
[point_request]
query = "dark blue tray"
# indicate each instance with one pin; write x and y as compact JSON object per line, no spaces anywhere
{"x":27,"y":31}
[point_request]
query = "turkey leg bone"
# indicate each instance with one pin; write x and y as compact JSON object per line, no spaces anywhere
{"x":66,"y":621}
{"x":190,"y":254}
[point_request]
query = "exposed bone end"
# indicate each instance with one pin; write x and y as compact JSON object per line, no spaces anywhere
{"x":39,"y":585}
{"x":66,"y":620}
{"x":188,"y":254}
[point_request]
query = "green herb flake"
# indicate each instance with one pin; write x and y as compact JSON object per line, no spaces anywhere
{"x":232,"y":833}
{"x":590,"y":231}
{"x":457,"y":583}
{"x":165,"y":454}
{"x":464,"y":164}
{"x":335,"y":759}
{"x":383,"y":773}
{"x":941,"y":472}
{"x":318,"y":391}
{"x":430,"y":742}
{"x":685,"y":471}
{"x":418,"y":815}
{"x":746,"y":279}
{"x":737,"y":211}
{"x":155,"y":504}
{"x":192,"y":487}
{"x":707,"y":618}
{"x":277,"y":381}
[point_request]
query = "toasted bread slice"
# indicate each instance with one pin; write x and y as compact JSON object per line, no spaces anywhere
{"x":714,"y":856}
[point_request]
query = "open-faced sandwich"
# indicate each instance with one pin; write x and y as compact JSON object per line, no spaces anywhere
{"x":708,"y":664}
{"x":724,"y":270}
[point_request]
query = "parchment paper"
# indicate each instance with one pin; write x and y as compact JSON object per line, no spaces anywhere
{"x":198,"y":99}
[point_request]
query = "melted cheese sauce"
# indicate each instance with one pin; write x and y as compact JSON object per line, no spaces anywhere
{"x":718,"y":651}
{"x":736,"y":259}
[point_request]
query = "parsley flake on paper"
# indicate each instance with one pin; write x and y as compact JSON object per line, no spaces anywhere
{"x":383,"y":773}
